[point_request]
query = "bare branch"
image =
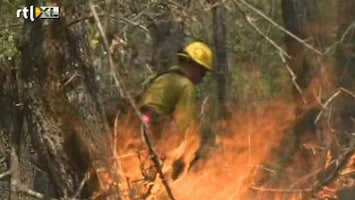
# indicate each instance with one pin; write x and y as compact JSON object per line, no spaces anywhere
{"x":268,"y":19}
{"x":249,"y":21}
{"x":293,"y":77}
{"x":29,"y":192}
{"x":117,"y":78}
{"x":347,"y":92}
{"x":334,"y":168}
{"x":278,"y":190}
{"x":157,"y":163}
{"x":124,"y":92}
{"x":81,"y":186}
{"x":326,"y":104}
{"x":282,"y":52}
{"x":5,"y":174}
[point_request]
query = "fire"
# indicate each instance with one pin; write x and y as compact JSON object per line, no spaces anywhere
{"x":231,"y":171}
{"x":232,"y":168}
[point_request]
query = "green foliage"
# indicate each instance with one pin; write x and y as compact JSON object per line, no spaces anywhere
{"x":7,"y":46}
{"x":9,"y":29}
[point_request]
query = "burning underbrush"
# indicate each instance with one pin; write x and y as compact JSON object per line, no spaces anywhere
{"x":254,"y":158}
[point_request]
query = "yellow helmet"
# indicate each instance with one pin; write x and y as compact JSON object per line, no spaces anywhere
{"x":200,"y":53}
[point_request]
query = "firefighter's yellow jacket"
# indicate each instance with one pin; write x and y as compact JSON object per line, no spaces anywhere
{"x":171,"y":94}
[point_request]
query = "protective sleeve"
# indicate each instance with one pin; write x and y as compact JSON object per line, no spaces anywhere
{"x":185,"y":110}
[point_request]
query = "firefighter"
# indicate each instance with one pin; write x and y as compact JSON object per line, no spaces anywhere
{"x":168,"y":105}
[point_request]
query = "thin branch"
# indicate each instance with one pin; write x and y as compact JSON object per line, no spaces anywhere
{"x":29,"y":192}
{"x":282,"y":190}
{"x":268,"y":19}
{"x":351,"y":26}
{"x":90,"y":17}
{"x":81,"y":186}
{"x":16,"y":184}
{"x":304,"y":178}
{"x":117,"y":78}
{"x":5,"y":174}
{"x":326,"y":104}
{"x":249,"y":21}
{"x":347,"y":92}
{"x":282,"y":52}
{"x":342,"y":38}
{"x":330,"y":99}
{"x":293,"y":77}
{"x":124,"y":92}
{"x":156,"y":161}
{"x":334,"y":168}
{"x":106,"y":45}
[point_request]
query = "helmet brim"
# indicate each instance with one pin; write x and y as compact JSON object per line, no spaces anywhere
{"x":185,"y":55}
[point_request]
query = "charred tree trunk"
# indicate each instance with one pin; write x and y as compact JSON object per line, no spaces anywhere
{"x":64,"y":113}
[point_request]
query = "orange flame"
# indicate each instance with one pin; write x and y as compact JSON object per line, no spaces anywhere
{"x":233,"y":166}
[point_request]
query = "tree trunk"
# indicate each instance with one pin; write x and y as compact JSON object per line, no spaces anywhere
{"x":344,"y":111}
{"x":168,"y":37}
{"x":8,"y":121}
{"x":221,"y":62}
{"x":301,"y":17}
{"x":345,"y":70}
{"x":61,"y":100}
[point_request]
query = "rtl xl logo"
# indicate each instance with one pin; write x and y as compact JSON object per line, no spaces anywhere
{"x":42,"y":12}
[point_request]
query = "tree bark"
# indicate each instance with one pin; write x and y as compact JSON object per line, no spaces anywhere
{"x":61,"y":100}
{"x":344,"y":111}
{"x":301,"y":17}
{"x":345,"y":68}
{"x":12,"y":131}
{"x":221,"y":62}
{"x":168,"y":38}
